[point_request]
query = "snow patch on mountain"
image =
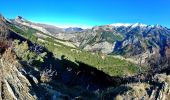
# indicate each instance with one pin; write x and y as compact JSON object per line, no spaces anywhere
{"x":128,"y":25}
{"x":120,"y":24}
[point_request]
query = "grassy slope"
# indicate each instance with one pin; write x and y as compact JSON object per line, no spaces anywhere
{"x":109,"y":64}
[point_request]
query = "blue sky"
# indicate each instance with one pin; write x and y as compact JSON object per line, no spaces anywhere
{"x":87,"y":13}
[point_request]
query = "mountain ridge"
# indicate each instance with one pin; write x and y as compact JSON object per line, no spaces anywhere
{"x":112,"y":24}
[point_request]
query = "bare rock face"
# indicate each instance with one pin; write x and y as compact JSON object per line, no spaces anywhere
{"x":105,"y":47}
{"x":13,"y":84}
{"x":164,"y":89}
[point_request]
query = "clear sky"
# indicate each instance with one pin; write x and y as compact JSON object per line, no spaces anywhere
{"x":87,"y":13}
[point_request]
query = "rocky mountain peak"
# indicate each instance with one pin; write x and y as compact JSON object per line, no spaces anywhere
{"x":20,"y":19}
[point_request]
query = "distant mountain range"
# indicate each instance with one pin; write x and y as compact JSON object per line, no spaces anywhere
{"x":137,"y":41}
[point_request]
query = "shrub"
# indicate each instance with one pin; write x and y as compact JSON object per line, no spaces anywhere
{"x":9,"y":56}
{"x":46,"y":75}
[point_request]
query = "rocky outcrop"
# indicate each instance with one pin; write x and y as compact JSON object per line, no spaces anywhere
{"x":14,"y":85}
{"x":104,"y":47}
{"x":158,"y":89}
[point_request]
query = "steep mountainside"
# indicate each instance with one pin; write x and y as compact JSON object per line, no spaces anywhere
{"x":37,"y":66}
{"x":30,"y":71}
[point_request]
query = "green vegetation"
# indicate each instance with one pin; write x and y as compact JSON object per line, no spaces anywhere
{"x":111,"y":37}
{"x":108,"y":64}
{"x":29,"y":33}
